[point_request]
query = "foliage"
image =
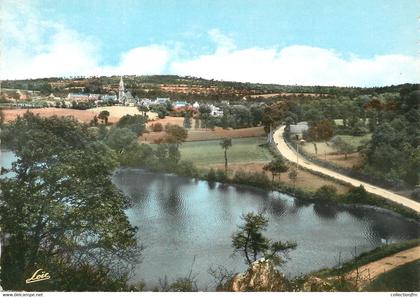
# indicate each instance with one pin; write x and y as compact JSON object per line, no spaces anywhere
{"x":143,"y":109}
{"x":57,"y":207}
{"x":103,"y":115}
{"x":187,"y":120}
{"x":256,"y":179}
{"x":156,"y":127}
{"x":160,"y":109}
{"x":343,"y":146}
{"x":293,"y":174}
{"x":175,"y":134}
{"x":120,"y":138}
{"x":226,"y":143}
{"x":326,"y":193}
{"x":252,"y":244}
{"x":276,"y":167}
{"x":321,"y":131}
{"x":135,"y":123}
{"x":357,"y":195}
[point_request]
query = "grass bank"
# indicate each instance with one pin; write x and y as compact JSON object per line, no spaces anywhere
{"x":209,"y":152}
{"x":368,"y":257}
{"x":405,"y":278}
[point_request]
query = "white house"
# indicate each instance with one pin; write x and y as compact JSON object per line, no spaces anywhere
{"x":216,"y":111}
{"x":162,"y":100}
{"x":299,"y":129}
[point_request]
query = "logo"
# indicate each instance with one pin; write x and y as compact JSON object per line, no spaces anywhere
{"x":39,"y":275}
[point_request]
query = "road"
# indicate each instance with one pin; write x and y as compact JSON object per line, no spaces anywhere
{"x":370,"y":271}
{"x":291,"y":155}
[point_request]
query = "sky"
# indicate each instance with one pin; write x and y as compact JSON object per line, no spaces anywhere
{"x":306,"y":42}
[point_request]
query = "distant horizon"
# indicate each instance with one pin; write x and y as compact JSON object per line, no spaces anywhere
{"x":195,"y":77}
{"x":321,"y":42}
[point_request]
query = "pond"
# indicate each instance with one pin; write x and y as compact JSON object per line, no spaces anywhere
{"x":181,"y":219}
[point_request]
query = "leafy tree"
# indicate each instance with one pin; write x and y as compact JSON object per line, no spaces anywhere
{"x":176,"y":134}
{"x":186,"y":168}
{"x":357,"y":195}
{"x":1,"y":117}
{"x":61,"y":211}
{"x":121,"y":138}
{"x":160,"y":109}
{"x":211,"y":175}
{"x":135,"y":123}
{"x":174,"y":156}
{"x":276,"y":167}
{"x":322,"y":130}
{"x":143,"y":109}
{"x":104,"y":115}
{"x":326,"y":193}
{"x":204,"y":115}
{"x":293,"y":174}
{"x":226,"y":143}
{"x":187,"y":120}
{"x":250,"y":242}
{"x":157,"y":127}
{"x":273,"y":115}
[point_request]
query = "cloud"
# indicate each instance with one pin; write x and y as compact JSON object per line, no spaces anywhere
{"x":148,"y":60}
{"x":303,"y":65}
{"x":34,"y":48}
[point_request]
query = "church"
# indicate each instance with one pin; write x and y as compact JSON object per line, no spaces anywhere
{"x":124,"y":96}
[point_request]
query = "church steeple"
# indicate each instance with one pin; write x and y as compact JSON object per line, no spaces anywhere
{"x":121,"y":91}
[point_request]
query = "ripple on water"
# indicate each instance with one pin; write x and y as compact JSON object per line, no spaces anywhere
{"x":179,"y":218}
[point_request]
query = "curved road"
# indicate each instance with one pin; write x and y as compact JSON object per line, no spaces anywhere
{"x":291,"y":155}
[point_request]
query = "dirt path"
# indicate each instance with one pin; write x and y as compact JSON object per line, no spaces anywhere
{"x":291,"y":155}
{"x":370,"y":271}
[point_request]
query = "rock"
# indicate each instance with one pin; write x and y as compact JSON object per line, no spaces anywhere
{"x":261,"y":276}
{"x":316,"y":284}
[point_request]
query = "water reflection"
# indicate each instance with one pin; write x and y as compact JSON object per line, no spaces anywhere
{"x":179,"y":218}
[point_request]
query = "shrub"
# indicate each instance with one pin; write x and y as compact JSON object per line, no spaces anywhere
{"x":221,"y":175}
{"x":357,"y":195}
{"x":157,"y":127}
{"x":211,"y":175}
{"x":326,"y":193}
{"x":186,"y":168}
{"x":256,"y":179}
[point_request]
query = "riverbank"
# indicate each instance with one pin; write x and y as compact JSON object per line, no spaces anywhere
{"x":365,"y":271}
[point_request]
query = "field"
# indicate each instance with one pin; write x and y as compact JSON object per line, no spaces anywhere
{"x":210,"y":152}
{"x":116,"y":112}
{"x":203,"y":134}
{"x":247,"y":154}
{"x":84,"y":116}
{"x":327,"y":152}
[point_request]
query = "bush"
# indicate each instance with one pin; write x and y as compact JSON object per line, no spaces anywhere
{"x":186,"y":168}
{"x":221,"y":175}
{"x":416,"y":194}
{"x":211,"y":175}
{"x":256,"y":179}
{"x":326,"y":193}
{"x":157,"y":127}
{"x":135,"y":123}
{"x":357,"y":195}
